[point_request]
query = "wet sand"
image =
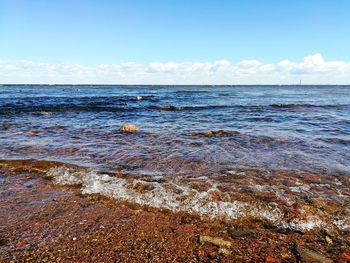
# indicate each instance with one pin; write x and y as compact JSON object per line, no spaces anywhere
{"x":43,"y":222}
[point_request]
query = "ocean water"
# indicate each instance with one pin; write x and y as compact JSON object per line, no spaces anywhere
{"x":284,"y":127}
{"x":258,"y":133}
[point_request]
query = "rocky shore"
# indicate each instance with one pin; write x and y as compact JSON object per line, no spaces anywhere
{"x":43,"y":222}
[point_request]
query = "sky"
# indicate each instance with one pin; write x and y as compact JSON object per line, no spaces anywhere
{"x":175,"y":41}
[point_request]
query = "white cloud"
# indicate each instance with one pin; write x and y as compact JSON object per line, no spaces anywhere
{"x":311,"y":70}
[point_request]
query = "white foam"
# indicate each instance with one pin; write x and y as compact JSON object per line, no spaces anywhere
{"x":309,"y":223}
{"x":343,"y":224}
{"x":176,"y":198}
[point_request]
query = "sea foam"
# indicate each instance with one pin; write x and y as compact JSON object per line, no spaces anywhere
{"x":177,"y":198}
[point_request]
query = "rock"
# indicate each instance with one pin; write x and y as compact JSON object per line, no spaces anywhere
{"x":217,"y":241}
{"x":308,"y":255}
{"x":207,"y":133}
{"x":31,"y":133}
{"x":286,"y":256}
{"x":129,"y":127}
{"x":346,"y":256}
{"x":56,"y":127}
{"x":5,"y":126}
{"x":58,"y":212}
{"x":201,"y":253}
{"x":281,"y":139}
{"x":225,"y":251}
{"x":19,"y":244}
{"x":218,"y":227}
{"x":329,"y":240}
{"x":218,"y":133}
{"x":332,"y":232}
{"x":212,"y":252}
{"x":169,"y":108}
{"x":329,"y":207}
{"x":270,"y":259}
{"x":185,"y":229}
{"x":2,"y":242}
{"x":238,"y":233}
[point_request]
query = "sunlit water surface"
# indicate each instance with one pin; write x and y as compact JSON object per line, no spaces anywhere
{"x":264,"y":128}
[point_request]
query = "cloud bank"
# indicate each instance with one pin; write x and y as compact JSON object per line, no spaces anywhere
{"x":311,"y":70}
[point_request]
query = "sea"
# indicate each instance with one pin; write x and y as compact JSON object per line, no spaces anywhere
{"x":218,"y":151}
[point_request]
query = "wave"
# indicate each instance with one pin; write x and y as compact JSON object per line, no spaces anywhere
{"x":176,"y":198}
{"x":98,"y":106}
{"x":335,"y":141}
{"x":129,"y":103}
{"x":176,"y":195}
{"x":253,"y":107}
{"x":195,"y":107}
{"x":307,"y":105}
{"x":10,"y":110}
{"x":64,"y":104}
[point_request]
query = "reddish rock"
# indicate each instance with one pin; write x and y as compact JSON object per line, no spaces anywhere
{"x":346,"y":256}
{"x":186,"y":229}
{"x":20,"y":244}
{"x":270,"y":259}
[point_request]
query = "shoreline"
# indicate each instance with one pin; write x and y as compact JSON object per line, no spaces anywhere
{"x":59,"y":223}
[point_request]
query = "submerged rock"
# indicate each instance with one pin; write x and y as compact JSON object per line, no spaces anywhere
{"x":207,"y":133}
{"x":57,"y":127}
{"x":129,"y":127}
{"x":218,"y":133}
{"x":31,"y":133}
{"x":169,"y":108}
{"x":217,"y":241}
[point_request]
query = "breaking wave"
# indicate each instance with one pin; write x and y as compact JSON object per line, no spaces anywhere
{"x":176,"y":198}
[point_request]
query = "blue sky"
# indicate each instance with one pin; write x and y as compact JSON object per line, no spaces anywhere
{"x":173,"y":30}
{"x":145,"y":31}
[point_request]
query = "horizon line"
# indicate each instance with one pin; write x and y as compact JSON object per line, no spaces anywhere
{"x":161,"y":85}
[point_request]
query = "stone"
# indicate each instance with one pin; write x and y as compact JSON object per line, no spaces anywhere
{"x":207,"y":133}
{"x":217,"y":241}
{"x":31,"y":133}
{"x":225,"y":251}
{"x":346,"y":256}
{"x":19,"y":244}
{"x":129,"y":127}
{"x":308,"y":255}
{"x":281,"y":139}
{"x":185,"y":229}
{"x":270,"y":259}
{"x":329,"y":240}
{"x":2,"y":242}
{"x":218,"y":133}
{"x":239,"y":233}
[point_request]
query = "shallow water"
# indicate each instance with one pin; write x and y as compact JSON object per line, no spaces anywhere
{"x":271,"y":149}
